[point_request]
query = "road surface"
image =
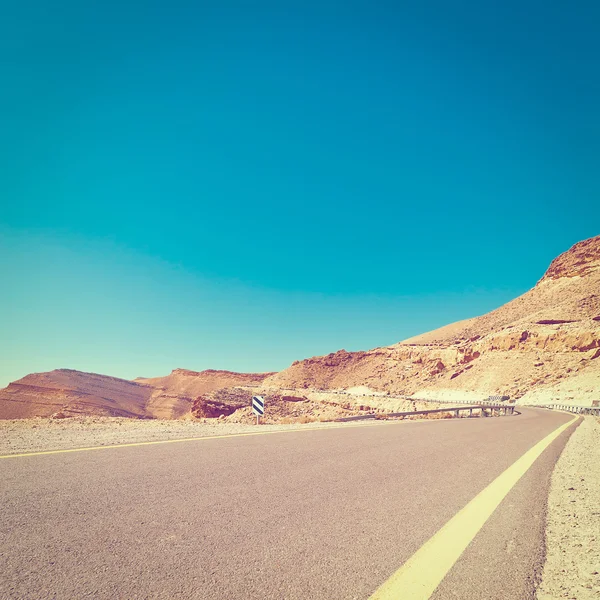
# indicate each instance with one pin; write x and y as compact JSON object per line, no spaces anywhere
{"x":321,"y":514}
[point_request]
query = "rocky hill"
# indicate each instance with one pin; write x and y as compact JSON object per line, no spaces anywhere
{"x":179,"y":393}
{"x":541,"y":347}
{"x":65,"y":393}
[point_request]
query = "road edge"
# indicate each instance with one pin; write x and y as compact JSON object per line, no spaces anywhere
{"x":570,"y":490}
{"x":424,"y":571}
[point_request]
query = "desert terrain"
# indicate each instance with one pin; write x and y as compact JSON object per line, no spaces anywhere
{"x":541,"y":348}
{"x":573,"y":528}
{"x":186,"y":395}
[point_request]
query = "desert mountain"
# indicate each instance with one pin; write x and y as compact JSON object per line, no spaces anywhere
{"x":541,"y":347}
{"x":65,"y":392}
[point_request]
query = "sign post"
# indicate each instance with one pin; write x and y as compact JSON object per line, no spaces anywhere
{"x":258,"y":407}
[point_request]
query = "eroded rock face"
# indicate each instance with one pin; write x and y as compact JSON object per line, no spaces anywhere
{"x":439,"y":367}
{"x":581,"y":260}
{"x":211,"y":409}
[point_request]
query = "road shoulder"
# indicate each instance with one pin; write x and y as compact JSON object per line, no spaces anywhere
{"x":41,"y":435}
{"x":571,"y":569}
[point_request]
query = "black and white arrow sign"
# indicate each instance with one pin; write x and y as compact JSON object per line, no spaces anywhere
{"x":258,"y":405}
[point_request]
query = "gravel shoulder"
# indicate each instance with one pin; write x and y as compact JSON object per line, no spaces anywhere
{"x":572,"y":568}
{"x":40,"y":434}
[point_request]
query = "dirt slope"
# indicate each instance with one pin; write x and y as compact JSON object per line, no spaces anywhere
{"x":541,"y":347}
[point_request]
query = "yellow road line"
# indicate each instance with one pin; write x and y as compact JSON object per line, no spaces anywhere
{"x":419,"y":577}
{"x":193,"y":439}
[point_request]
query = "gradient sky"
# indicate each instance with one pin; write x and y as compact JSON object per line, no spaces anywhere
{"x":239,"y":185}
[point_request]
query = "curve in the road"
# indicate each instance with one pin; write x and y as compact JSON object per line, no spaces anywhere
{"x":419,"y":577}
{"x":322,"y":514}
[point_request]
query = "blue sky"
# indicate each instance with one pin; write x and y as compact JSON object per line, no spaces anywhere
{"x":239,"y":185}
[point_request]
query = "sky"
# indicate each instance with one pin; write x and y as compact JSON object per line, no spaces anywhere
{"x":239,"y":185}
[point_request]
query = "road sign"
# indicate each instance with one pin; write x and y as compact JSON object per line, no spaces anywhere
{"x":258,"y":405}
{"x":498,"y":398}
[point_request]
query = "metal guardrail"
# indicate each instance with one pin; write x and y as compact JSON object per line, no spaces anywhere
{"x":579,"y":410}
{"x":468,"y":402}
{"x":484,"y":409}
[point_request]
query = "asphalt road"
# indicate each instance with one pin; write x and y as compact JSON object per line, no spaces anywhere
{"x":313,"y":514}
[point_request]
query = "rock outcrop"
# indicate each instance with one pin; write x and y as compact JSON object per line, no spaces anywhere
{"x":581,"y":260}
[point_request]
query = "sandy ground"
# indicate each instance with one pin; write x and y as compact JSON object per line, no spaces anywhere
{"x":572,"y":568}
{"x":34,"y":435}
